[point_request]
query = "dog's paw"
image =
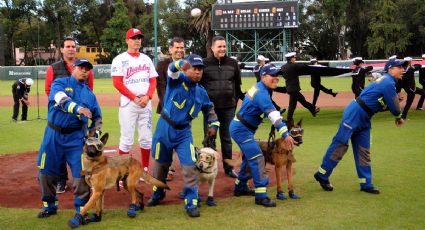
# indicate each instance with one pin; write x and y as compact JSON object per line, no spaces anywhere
{"x":292,"y":195}
{"x":210,"y":201}
{"x":280,"y":196}
{"x":76,"y":221}
{"x":132,"y":210}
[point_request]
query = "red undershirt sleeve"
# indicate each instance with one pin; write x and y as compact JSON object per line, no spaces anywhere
{"x":152,"y":87}
{"x":119,"y":85}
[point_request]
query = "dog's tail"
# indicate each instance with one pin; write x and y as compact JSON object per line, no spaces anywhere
{"x":153,"y":181}
{"x":234,"y":162}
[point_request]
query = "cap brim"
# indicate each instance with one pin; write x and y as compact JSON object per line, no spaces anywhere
{"x":86,"y":64}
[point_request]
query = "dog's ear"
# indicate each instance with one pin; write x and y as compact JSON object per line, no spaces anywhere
{"x":300,"y":122}
{"x":104,"y":138}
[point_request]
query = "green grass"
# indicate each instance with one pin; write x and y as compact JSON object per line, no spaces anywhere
{"x":398,"y":165}
{"x":104,"y":85}
{"x":397,"y":159}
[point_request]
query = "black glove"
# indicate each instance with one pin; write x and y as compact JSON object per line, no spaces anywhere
{"x":209,"y":141}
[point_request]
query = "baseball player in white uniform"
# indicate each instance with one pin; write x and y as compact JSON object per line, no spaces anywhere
{"x":134,"y":76}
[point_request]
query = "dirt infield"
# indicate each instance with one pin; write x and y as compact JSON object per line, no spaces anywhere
{"x":18,"y":172}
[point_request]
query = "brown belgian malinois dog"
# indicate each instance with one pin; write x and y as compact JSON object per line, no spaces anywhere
{"x":276,"y":153}
{"x":103,"y":172}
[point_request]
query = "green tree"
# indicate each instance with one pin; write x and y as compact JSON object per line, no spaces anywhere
{"x":113,"y":38}
{"x":202,"y":24}
{"x":389,"y":34}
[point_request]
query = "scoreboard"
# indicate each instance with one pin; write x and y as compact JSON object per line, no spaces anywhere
{"x":255,"y":15}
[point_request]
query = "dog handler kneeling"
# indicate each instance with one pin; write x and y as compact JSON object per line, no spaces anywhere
{"x":71,"y":105}
{"x":257,"y":102}
{"x":184,"y":99}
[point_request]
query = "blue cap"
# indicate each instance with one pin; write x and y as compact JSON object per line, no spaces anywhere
{"x":270,"y":70}
{"x":393,"y":62}
{"x":83,"y":62}
{"x":195,"y":60}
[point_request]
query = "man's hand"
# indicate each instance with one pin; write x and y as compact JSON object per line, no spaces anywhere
{"x":26,"y":101}
{"x":399,"y":122}
{"x":290,"y":142}
{"x":212,"y":132}
{"x":84,"y":111}
{"x":185,"y":66}
{"x":144,"y":100}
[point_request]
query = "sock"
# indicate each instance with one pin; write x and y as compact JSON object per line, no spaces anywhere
{"x":120,"y":152}
{"x":145,"y":156}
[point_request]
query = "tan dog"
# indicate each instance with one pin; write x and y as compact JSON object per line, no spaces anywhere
{"x":278,"y":155}
{"x":103,"y":172}
{"x":208,"y":168}
{"x":282,"y":158}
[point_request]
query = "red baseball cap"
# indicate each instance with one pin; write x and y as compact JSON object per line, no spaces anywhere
{"x":133,"y":32}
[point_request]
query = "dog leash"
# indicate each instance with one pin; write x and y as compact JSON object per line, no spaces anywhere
{"x":271,"y":141}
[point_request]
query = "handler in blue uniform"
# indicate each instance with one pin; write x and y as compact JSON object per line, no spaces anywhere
{"x":71,"y":105}
{"x":184,"y":99}
{"x":257,"y":102}
{"x":355,"y":125}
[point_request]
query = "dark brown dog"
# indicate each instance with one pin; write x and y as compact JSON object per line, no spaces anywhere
{"x":278,"y":155}
{"x":103,"y":172}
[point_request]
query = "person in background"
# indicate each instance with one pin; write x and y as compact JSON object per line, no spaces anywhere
{"x":409,"y":85}
{"x":222,"y":80}
{"x":20,"y":91}
{"x":359,"y":76}
{"x":422,"y":82}
{"x":317,"y":84}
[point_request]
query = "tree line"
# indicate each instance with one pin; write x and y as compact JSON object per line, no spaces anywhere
{"x":372,"y":29}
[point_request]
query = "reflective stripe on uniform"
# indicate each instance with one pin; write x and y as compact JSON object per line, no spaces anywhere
{"x":82,"y":162}
{"x":261,"y":190}
{"x":43,"y":160}
{"x":179,"y":106}
{"x":322,"y":171}
{"x":192,"y":152}
{"x":255,"y":156}
{"x":71,"y":107}
{"x":157,"y":148}
{"x":154,"y":188}
{"x":185,"y":86}
{"x":362,"y":180}
{"x":283,"y":130}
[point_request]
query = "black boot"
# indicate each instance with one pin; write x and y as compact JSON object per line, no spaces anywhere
{"x":266,"y":202}
{"x":326,"y":185}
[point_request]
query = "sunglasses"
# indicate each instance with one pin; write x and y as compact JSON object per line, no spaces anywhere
{"x":95,"y":142}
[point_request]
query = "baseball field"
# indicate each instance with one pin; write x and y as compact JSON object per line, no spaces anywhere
{"x":398,"y":165}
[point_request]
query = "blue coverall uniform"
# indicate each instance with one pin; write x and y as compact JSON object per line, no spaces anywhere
{"x":355,"y":125}
{"x":182,"y":102}
{"x":64,"y":139}
{"x":256,"y":105}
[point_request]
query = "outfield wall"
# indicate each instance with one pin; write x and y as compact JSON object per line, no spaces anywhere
{"x":104,"y":71}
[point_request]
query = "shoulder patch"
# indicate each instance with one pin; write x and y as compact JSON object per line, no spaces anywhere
{"x":251,"y":92}
{"x":69,"y":89}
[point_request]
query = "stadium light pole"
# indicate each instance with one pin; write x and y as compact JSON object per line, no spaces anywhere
{"x":155,"y":31}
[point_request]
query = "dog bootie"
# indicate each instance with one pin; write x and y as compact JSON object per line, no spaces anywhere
{"x":280,"y":196}
{"x":193,"y":212}
{"x":46,"y":213}
{"x":292,"y":195}
{"x":76,"y":221}
{"x":93,"y":218}
{"x":132,"y":210}
{"x":210,"y":201}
